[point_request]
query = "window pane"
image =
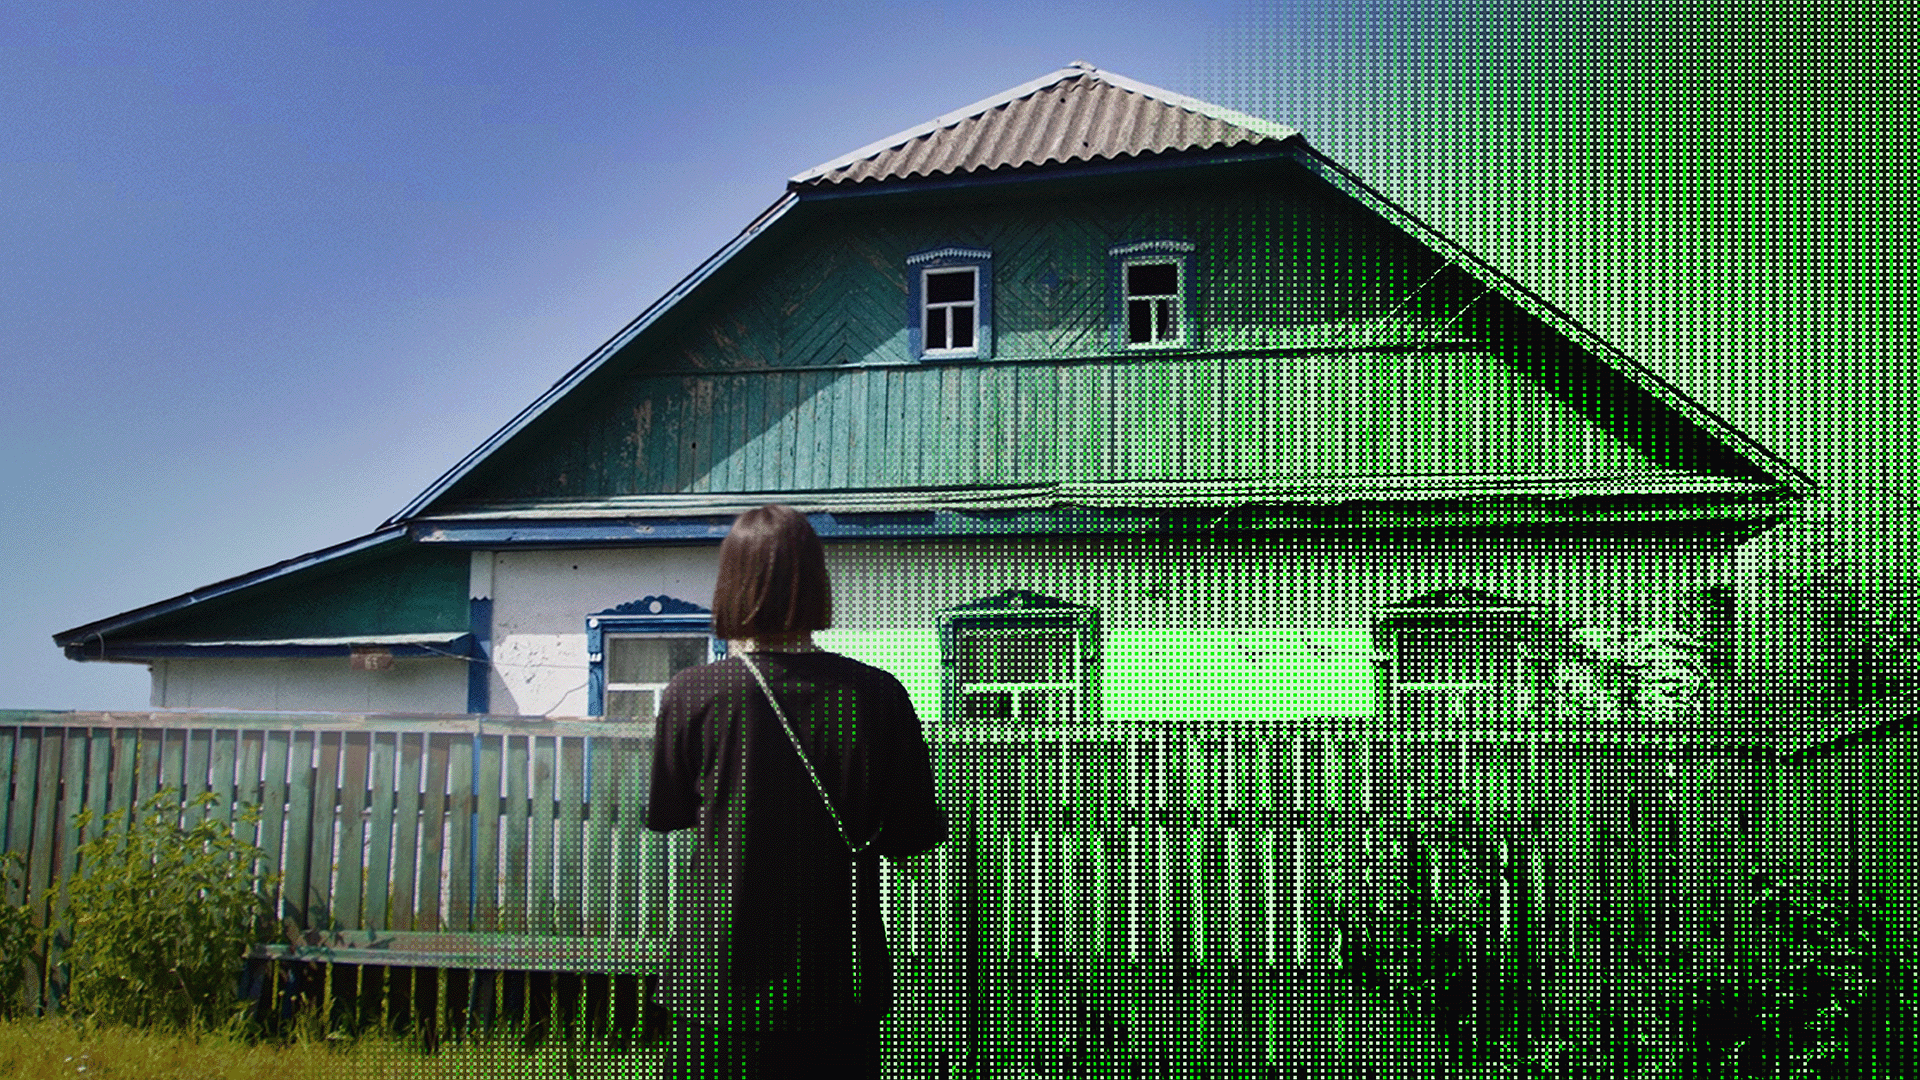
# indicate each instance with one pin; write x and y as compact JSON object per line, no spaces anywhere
{"x":986,"y":708}
{"x":1163,"y":329}
{"x":1014,"y":658}
{"x":651,"y":659}
{"x":1047,"y":708}
{"x":1473,"y":709}
{"x":1453,"y":658}
{"x":949,"y":286}
{"x":936,"y":328}
{"x":630,"y":705}
{"x":1152,"y":279}
{"x":962,"y":326}
{"x":1139,"y":321}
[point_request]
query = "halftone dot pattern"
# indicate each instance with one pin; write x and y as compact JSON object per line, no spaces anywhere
{"x":1623,"y":166}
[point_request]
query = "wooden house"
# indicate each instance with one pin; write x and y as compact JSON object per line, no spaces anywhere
{"x":1167,"y":463}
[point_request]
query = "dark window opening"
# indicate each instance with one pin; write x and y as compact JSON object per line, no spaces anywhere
{"x":1153,"y":294}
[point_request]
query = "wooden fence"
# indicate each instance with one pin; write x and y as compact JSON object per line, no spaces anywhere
{"x":1848,"y":808}
{"x":1151,"y":892}
{"x":1165,"y":892}
{"x":432,"y":840}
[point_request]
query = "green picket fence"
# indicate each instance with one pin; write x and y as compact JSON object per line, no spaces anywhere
{"x":1174,"y":891}
{"x":417,"y":843}
{"x":1138,"y":892}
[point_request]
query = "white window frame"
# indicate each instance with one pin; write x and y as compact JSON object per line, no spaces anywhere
{"x":611,"y":688}
{"x":1017,"y":614}
{"x":1506,"y":700}
{"x":1024,"y":692}
{"x":921,"y":311}
{"x":1179,"y":255}
{"x":944,"y":309}
{"x":1171,"y":305}
{"x":647,"y":617}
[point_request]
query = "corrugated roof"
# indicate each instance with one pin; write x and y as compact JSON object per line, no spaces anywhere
{"x":1078,"y":113}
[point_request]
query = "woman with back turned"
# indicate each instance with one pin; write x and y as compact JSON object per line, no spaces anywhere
{"x":800,"y":768}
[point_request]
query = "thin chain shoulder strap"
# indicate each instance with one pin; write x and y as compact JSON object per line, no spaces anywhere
{"x":808,"y":765}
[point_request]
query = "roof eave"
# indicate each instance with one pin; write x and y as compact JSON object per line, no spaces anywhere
{"x":597,"y":359}
{"x":1212,"y":157}
{"x":401,"y":646}
{"x":1040,"y":513}
{"x":1789,"y":477}
{"x":98,"y":629}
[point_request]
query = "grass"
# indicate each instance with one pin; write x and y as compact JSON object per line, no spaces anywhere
{"x":55,"y":1047}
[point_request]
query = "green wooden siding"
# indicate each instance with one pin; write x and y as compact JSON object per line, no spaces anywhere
{"x":1269,"y":259}
{"x":1164,"y":418}
{"x":404,"y":590}
{"x":1321,"y":356}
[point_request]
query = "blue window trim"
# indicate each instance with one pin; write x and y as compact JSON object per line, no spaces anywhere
{"x":948,"y":258}
{"x":647,"y":615}
{"x":480,"y":655}
{"x":1118,"y":256}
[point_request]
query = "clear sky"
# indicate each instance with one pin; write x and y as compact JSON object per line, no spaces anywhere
{"x":267,"y":269}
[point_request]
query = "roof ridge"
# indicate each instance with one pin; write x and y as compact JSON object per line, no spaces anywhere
{"x":1079,"y":69}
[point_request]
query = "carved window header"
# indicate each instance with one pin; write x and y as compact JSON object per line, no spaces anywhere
{"x":1152,"y":247}
{"x":965,"y":254}
{"x":635,"y":647}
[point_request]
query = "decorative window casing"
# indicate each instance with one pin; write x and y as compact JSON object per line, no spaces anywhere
{"x":950,"y":304}
{"x":1461,"y":660}
{"x":1018,"y":662}
{"x":1151,"y":282}
{"x":634,"y":649}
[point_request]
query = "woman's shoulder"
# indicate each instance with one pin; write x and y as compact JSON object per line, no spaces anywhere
{"x":694,"y":687}
{"x":721,"y":676}
{"x":860,"y":672}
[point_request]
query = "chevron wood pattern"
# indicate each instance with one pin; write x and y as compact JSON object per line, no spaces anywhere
{"x":761,"y":394}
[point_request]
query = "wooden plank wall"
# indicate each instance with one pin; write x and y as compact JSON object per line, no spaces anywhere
{"x":994,"y":425}
{"x":798,"y":378}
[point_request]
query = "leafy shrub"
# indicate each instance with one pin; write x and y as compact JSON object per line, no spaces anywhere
{"x":1415,"y":902}
{"x":17,"y":934}
{"x":161,"y":914}
{"x":1831,"y":1000}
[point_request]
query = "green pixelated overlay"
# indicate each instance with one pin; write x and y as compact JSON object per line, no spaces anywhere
{"x":1138,"y":890}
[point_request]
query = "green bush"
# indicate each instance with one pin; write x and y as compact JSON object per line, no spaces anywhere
{"x":17,"y":934}
{"x":1829,"y":999}
{"x":161,"y":914}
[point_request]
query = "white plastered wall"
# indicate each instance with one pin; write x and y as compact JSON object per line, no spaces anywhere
{"x":541,"y":600}
{"x":1197,"y":629}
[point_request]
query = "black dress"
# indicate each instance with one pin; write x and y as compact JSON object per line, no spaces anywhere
{"x":763,"y":958}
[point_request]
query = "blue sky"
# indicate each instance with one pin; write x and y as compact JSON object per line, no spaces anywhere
{"x":268,"y":269}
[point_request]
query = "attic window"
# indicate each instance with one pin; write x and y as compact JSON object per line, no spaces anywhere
{"x":950,"y":303}
{"x":1153,"y":289}
{"x":1153,"y":303}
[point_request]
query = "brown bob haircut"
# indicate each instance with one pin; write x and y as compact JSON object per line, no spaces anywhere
{"x":773,"y":577}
